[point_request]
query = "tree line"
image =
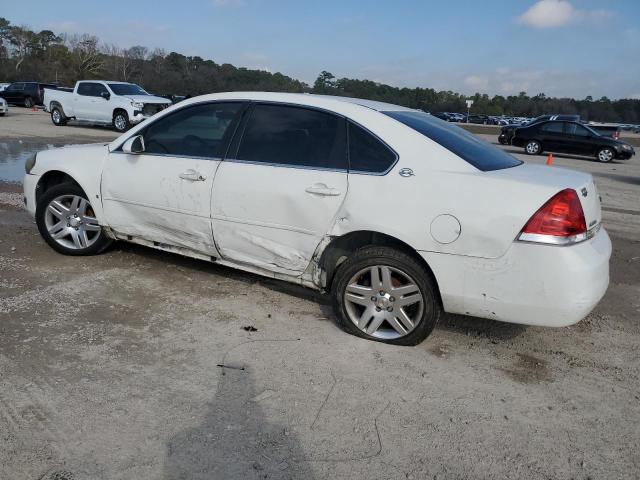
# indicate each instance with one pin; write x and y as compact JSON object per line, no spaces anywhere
{"x":62,"y":58}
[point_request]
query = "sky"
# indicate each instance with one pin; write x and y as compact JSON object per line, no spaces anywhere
{"x":570,"y":48}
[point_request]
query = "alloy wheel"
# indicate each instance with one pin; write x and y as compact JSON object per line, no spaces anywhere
{"x":532,"y":147}
{"x":56,"y":116}
{"x":384,"y":302}
{"x":120,"y":123}
{"x":71,"y":222}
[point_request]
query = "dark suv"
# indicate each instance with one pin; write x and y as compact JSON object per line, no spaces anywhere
{"x":25,"y":93}
{"x":570,"y":137}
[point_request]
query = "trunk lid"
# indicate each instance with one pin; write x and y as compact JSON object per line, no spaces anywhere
{"x":554,"y":179}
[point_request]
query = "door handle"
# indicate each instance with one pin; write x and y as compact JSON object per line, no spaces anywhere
{"x":322,"y":189}
{"x":192,"y":176}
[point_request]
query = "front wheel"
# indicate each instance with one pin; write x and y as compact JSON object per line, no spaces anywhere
{"x":606,"y":154}
{"x":533,"y":147}
{"x":121,"y":121}
{"x":67,"y":222}
{"x":385,"y":295}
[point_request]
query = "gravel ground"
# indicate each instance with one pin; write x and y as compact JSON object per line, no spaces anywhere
{"x":109,"y":369}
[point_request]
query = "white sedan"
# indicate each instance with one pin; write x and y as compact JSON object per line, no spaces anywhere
{"x":397,"y":214}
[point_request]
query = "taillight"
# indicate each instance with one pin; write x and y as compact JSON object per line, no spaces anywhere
{"x":616,"y":136}
{"x":559,"y":221}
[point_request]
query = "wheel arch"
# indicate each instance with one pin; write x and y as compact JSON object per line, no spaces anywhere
{"x":340,"y":247}
{"x":53,"y":178}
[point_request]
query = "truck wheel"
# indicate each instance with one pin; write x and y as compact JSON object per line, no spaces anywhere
{"x":383,"y":294}
{"x":121,"y":121}
{"x":28,"y":102}
{"x":58,"y":118}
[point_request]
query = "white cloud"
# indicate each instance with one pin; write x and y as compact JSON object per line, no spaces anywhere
{"x":558,"y":13}
{"x":477,"y":82}
{"x":548,"y":14}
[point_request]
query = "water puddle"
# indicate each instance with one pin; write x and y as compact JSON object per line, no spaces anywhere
{"x":14,"y":153}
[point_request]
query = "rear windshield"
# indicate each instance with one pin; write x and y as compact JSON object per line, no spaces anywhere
{"x":467,"y":146}
{"x":126,"y":89}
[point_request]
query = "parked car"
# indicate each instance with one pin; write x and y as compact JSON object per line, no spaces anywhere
{"x":384,"y":207}
{"x":480,"y":119}
{"x":27,"y":94}
{"x":442,"y":115}
{"x":103,"y":102}
{"x":4,"y":107}
{"x":570,"y":137}
{"x":507,"y":132}
{"x":606,"y":129}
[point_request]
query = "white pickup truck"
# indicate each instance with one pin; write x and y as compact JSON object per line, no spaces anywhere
{"x":102,"y":102}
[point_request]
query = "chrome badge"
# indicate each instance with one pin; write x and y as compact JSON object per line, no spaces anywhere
{"x":584,"y":191}
{"x":406,"y":172}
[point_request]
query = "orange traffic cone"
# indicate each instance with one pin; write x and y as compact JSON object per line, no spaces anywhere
{"x":34,"y":108}
{"x":550,"y":159}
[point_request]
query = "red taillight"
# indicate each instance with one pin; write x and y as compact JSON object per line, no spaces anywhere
{"x":560,"y":220}
{"x":616,"y":136}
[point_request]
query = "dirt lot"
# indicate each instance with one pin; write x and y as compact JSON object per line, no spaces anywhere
{"x":109,"y":367}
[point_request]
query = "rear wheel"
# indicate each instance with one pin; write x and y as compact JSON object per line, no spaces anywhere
{"x":385,"y":295}
{"x":121,"y":121}
{"x":57,"y":117}
{"x":67,"y":222}
{"x":533,"y":147}
{"x":28,"y":102}
{"x":606,"y":154}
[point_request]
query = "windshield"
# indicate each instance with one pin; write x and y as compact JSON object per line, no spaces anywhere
{"x":126,"y":89}
{"x":467,"y":146}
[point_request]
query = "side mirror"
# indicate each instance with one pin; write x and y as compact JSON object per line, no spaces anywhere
{"x":134,"y":146}
{"x":105,"y":95}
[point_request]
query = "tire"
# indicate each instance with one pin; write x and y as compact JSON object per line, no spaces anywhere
{"x":28,"y":102}
{"x":85,"y":238}
{"x":377,"y":310}
{"x":606,"y":154}
{"x":502,"y":141}
{"x":533,"y":147}
{"x":58,"y":118}
{"x":121,"y":121}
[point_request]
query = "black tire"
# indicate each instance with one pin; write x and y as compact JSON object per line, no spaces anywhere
{"x":58,"y":118}
{"x":502,"y":141}
{"x":533,"y":147}
{"x":606,"y":154}
{"x":101,"y":242}
{"x":28,"y":102}
{"x":396,"y":259}
{"x":121,"y":121}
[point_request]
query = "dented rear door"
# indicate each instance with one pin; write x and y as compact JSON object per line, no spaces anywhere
{"x":281,"y":187}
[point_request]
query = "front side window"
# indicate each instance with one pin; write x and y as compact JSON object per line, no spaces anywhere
{"x":196,"y":131}
{"x":465,"y":145}
{"x":553,"y":127}
{"x":289,"y":135}
{"x":16,"y":87}
{"x":367,"y":153}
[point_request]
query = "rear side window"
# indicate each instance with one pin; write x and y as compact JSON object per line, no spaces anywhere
{"x":289,"y":135}
{"x":85,"y":89}
{"x":367,"y":153}
{"x":467,"y":146}
{"x":577,"y":130}
{"x":553,"y":127}
{"x":198,"y":131}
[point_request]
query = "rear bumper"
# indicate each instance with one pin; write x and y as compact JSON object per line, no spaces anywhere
{"x":531,"y":284}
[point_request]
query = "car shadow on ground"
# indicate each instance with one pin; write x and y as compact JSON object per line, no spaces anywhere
{"x":461,"y":324}
{"x":235,"y":439}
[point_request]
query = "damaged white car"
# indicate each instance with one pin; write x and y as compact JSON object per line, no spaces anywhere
{"x":397,"y":214}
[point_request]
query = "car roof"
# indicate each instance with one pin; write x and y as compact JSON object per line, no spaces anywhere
{"x":302,"y":99}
